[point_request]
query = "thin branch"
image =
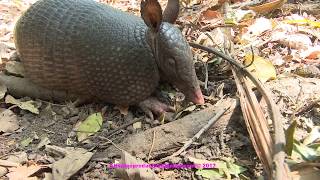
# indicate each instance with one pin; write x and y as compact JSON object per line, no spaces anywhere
{"x":275,"y":116}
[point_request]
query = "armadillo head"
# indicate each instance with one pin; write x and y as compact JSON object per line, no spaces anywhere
{"x":172,"y":52}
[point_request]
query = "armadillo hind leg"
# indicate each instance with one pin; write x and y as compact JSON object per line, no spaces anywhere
{"x":22,"y":87}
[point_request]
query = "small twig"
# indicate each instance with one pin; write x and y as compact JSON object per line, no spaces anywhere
{"x":152,"y":146}
{"x":13,"y":106}
{"x":54,"y":104}
{"x":48,"y":131}
{"x":107,"y":139}
{"x":210,"y":37}
{"x":212,"y":121}
{"x":206,"y":76}
{"x":111,"y":133}
{"x":308,"y":106}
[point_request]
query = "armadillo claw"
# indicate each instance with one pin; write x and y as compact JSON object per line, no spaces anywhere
{"x":152,"y":106}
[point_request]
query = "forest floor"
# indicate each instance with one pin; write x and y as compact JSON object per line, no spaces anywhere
{"x":41,"y":139}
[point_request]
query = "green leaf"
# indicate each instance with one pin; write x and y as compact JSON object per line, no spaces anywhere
{"x":210,"y":173}
{"x":236,"y":169}
{"x":307,"y":153}
{"x":90,"y":126}
{"x":221,"y":169}
{"x":290,"y":137}
{"x":25,"y":142}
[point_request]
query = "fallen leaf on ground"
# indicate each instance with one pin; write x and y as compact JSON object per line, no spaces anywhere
{"x":219,"y":168}
{"x":8,"y":163}
{"x":25,"y":105}
{"x":3,"y":90}
{"x":89,"y":126}
{"x":302,"y":153}
{"x":8,"y":121}
{"x":188,"y":109}
{"x":312,"y":136}
{"x":24,"y":172}
{"x":210,"y":173}
{"x":260,"y":68}
{"x":209,"y":15}
{"x":74,"y":159}
{"x":290,"y":137}
{"x":295,"y":41}
{"x":268,"y":7}
{"x":44,"y":141}
{"x":212,"y":39}
{"x":259,"y":26}
{"x":303,"y":21}
{"x":137,"y":125}
{"x":241,"y":15}
{"x":18,"y":157}
{"x":311,"y":53}
{"x":4,"y":54}
{"x":26,"y":141}
{"x":3,"y":171}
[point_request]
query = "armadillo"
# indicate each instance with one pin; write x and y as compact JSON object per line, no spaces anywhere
{"x":96,"y":51}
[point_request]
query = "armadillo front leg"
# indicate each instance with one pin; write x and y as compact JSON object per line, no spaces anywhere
{"x":152,"y":106}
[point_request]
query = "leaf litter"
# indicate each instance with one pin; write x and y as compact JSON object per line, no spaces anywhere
{"x":284,"y":45}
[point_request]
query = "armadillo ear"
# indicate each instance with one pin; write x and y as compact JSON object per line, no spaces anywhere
{"x":171,"y":11}
{"x":151,"y":13}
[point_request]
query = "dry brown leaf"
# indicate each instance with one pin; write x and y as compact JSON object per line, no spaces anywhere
{"x":314,"y":55}
{"x":311,"y":53}
{"x":260,"y":68}
{"x":259,"y":26}
{"x":209,"y":15}
{"x":256,"y":122}
{"x":24,"y":172}
{"x":8,"y":121}
{"x":8,"y":163}
{"x":3,"y":90}
{"x":3,"y":171}
{"x":268,"y":7}
{"x":212,"y":39}
{"x":74,"y":159}
{"x":25,"y":105}
{"x":295,"y":41}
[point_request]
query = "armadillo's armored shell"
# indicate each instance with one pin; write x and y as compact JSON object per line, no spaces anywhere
{"x":87,"y":48}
